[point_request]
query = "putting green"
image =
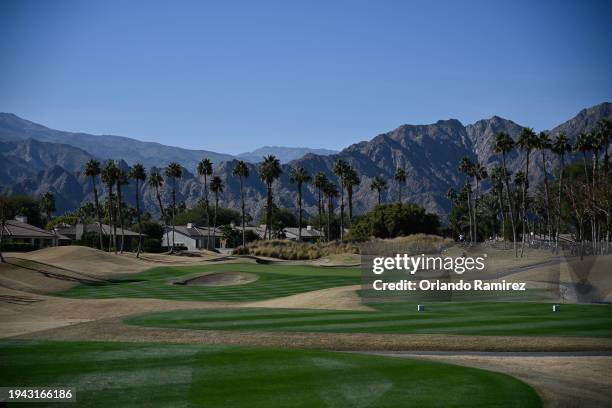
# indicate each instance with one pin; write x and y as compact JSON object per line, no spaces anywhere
{"x":469,"y":318}
{"x":155,"y":375}
{"x":273,"y":281}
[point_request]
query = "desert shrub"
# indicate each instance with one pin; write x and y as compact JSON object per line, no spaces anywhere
{"x":293,"y":250}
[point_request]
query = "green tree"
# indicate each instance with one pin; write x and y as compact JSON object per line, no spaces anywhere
{"x":299,"y":176}
{"x":92,"y":170}
{"x":331,"y":191}
{"x":341,"y":168}
{"x":241,"y":170}
{"x":527,"y":141}
{"x":319,"y":182}
{"x":466,"y":166}
{"x":109,"y":178}
{"x":7,"y":212}
{"x":217,"y":187}
{"x":400,"y":178}
{"x":379,"y":185}
{"x":205,"y":169}
{"x":47,"y":204}
{"x":122,"y":180}
{"x":560,"y":147}
{"x":174,"y":172}
{"x":543,"y":143}
{"x":269,"y":171}
{"x":352,"y":181}
{"x":503,"y":145}
{"x":139,"y":175}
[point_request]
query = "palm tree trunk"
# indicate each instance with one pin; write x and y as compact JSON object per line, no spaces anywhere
{"x":98,"y":217}
{"x":501,"y":210}
{"x":242,"y":205}
{"x":546,"y":189}
{"x":320,"y":210}
{"x":341,"y":210}
{"x":173,"y":210}
{"x":119,"y":200}
{"x":300,"y":212}
{"x":207,"y":212}
{"x":510,"y":203}
{"x":469,"y":206}
{"x":215,"y":219}
{"x":269,"y":212}
{"x":349,"y":192}
{"x":138,"y":219}
{"x":525,"y":183}
{"x":110,"y":218}
{"x":474,"y":212}
{"x":559,"y":202}
{"x":329,"y":214}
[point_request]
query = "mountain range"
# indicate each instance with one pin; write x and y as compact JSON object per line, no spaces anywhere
{"x":36,"y":159}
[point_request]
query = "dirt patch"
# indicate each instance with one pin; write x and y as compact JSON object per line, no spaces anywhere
{"x":220,"y":279}
{"x":339,"y":298}
{"x":568,"y":381}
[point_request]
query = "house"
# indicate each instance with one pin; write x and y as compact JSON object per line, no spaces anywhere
{"x":76,"y":232}
{"x":309,"y":234}
{"x":18,"y":230}
{"x":193,"y":237}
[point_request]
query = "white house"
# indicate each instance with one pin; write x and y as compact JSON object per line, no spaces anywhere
{"x":192,"y":237}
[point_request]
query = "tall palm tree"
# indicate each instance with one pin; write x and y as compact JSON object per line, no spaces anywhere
{"x":156,"y":181}
{"x":480,"y":173}
{"x":527,"y":141}
{"x":269,"y":170}
{"x":543,"y":144}
{"x":331,"y":192}
{"x":340,"y":169}
{"x":138,"y":174}
{"x":47,"y":204}
{"x":352,"y":181}
{"x":173,"y":172}
{"x":503,"y":145}
{"x":109,"y":178}
{"x":217,"y":187}
{"x":122,"y":180}
{"x":92,"y":170}
{"x":584,"y":144}
{"x":466,"y":166}
{"x":497,"y":179}
{"x":560,"y":147}
{"x":400,"y":178}
{"x":241,"y":170}
{"x":205,"y":169}
{"x":319,"y":182}
{"x":379,"y":185}
{"x":299,"y":176}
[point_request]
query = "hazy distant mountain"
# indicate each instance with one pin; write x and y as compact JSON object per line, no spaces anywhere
{"x":133,"y":151}
{"x":284,"y":154}
{"x":429,"y":154}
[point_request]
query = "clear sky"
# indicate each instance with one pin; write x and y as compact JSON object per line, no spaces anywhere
{"x":232,"y":76}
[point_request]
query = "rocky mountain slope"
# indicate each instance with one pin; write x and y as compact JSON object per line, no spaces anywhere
{"x":429,"y":153}
{"x":284,"y":154}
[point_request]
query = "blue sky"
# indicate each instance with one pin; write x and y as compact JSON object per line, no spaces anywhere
{"x":232,"y":76}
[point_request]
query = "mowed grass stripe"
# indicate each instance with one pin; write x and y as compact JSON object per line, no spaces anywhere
{"x":273,"y":281}
{"x":155,"y":375}
{"x":467,"y":318}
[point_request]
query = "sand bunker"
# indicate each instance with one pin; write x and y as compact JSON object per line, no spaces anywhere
{"x":220,"y":279}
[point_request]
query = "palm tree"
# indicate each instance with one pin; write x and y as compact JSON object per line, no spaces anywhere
{"x":543,"y":144}
{"x":331,"y":192}
{"x":92,"y":170}
{"x":560,"y":147}
{"x":122,"y":180}
{"x":217,"y":187}
{"x":340,"y":169}
{"x":138,"y":174}
{"x":504,"y":144}
{"x":400,"y":178}
{"x":174,"y":172}
{"x":205,"y":168}
{"x":156,"y":181}
{"x":527,"y":141}
{"x":242,"y":172}
{"x":584,"y":144}
{"x":269,"y":170}
{"x":319,"y":182}
{"x":109,"y":177}
{"x":466,"y":166}
{"x":480,"y":173}
{"x":497,"y":178}
{"x":299,"y":176}
{"x":379,"y":185}
{"x":352,"y":180}
{"x":47,"y":204}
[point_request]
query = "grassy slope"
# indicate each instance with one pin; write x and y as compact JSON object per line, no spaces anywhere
{"x":473,"y":318}
{"x":152,"y":375}
{"x":274,"y":281}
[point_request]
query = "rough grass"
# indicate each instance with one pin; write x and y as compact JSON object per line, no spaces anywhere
{"x":468,"y":318}
{"x":155,"y":375}
{"x":273,"y":281}
{"x":293,"y":250}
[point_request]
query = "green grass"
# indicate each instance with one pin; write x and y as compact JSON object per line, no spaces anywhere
{"x":274,"y":281}
{"x":468,"y":318}
{"x":154,"y":375}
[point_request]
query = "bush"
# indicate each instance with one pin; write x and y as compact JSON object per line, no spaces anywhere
{"x":152,"y":245}
{"x":293,"y":250}
{"x":394,"y":220}
{"x":11,"y":246}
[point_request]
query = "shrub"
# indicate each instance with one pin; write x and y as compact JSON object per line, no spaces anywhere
{"x":293,"y":250}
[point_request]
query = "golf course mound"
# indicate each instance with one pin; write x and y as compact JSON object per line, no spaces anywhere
{"x":228,"y":278}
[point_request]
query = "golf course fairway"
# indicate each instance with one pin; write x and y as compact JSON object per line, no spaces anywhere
{"x":155,"y":375}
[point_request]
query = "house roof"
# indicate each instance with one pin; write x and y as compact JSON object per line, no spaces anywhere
{"x":195,"y":231}
{"x":18,"y":229}
{"x":305,"y":232}
{"x":93,"y":227}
